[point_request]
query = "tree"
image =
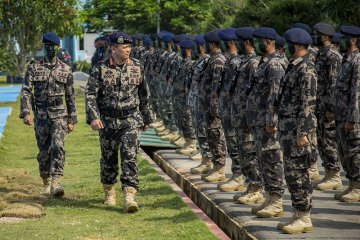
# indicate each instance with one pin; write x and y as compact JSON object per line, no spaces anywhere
{"x":133,"y":16}
{"x":22,"y":23}
{"x":344,"y":12}
{"x":281,"y":14}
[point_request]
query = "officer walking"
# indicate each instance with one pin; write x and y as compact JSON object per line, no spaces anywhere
{"x":52,"y":81}
{"x":297,"y":126}
{"x":117,"y":106}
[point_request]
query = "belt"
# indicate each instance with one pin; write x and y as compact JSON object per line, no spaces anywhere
{"x":117,"y":113}
{"x":49,"y":103}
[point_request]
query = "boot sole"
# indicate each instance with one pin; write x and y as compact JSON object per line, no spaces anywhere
{"x":198,"y":172}
{"x":267,"y":215}
{"x":58,"y":193}
{"x":237,"y":189}
{"x":349,"y":201}
{"x":305,"y":230}
{"x":216,"y":180}
{"x":328,"y":189}
{"x":252,"y":202}
{"x":132,"y":209}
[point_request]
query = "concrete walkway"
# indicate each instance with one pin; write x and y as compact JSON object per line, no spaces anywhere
{"x":331,"y":219}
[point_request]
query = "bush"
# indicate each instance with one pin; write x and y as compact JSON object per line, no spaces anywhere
{"x":83,"y":66}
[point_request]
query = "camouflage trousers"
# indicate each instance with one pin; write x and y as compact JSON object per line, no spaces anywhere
{"x":50,"y":137}
{"x":327,"y":143}
{"x":231,"y":144}
{"x":200,"y":130}
{"x":177,"y":111}
{"x":216,"y":139}
{"x":297,"y":163}
{"x":248,"y":160}
{"x":153,"y":99}
{"x":349,"y":150}
{"x":187,"y":121}
{"x":128,"y":141}
{"x":270,"y":160}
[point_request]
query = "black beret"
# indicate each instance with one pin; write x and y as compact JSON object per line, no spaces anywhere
{"x":167,"y":37}
{"x":138,"y":36}
{"x":51,"y":37}
{"x":280,"y":42}
{"x":178,"y":38}
{"x":298,"y":36}
{"x":187,"y":43}
{"x":265,"y":32}
{"x":190,"y":37}
{"x":147,"y":40}
{"x":245,"y":33}
{"x":302,"y":26}
{"x":350,"y":30}
{"x":120,"y":38}
{"x":199,"y":39}
{"x":227,"y":34}
{"x":337,"y":38}
{"x":325,"y":29}
{"x":212,"y":37}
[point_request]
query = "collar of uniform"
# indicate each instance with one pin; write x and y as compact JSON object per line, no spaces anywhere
{"x":297,"y":60}
{"x":325,"y":49}
{"x":111,"y":62}
{"x":268,"y":57}
{"x":352,"y":55}
{"x":248,"y":56}
{"x":44,"y":62}
{"x":216,"y":52}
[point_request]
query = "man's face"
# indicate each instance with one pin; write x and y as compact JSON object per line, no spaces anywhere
{"x":50,"y":50}
{"x":121,"y":50}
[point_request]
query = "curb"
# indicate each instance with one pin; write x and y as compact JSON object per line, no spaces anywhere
{"x":198,"y":212}
{"x":225,"y":222}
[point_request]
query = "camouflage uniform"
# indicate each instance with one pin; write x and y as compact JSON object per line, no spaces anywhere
{"x":297,"y":118}
{"x":179,"y":95}
{"x":261,"y":113}
{"x":168,"y":105}
{"x":118,"y":95}
{"x":161,"y":84}
{"x":230,"y":73}
{"x":193,"y":82}
{"x":155,"y":80}
{"x":346,"y":101}
{"x":174,"y":69}
{"x":239,"y":93}
{"x":312,"y":53}
{"x":51,"y":84}
{"x":209,"y":103}
{"x":145,"y":60}
{"x":327,"y":66}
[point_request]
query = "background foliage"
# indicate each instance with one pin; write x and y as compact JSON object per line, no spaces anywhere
{"x":23,"y":21}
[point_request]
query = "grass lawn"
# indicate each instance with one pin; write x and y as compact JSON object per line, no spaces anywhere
{"x":81,"y":214}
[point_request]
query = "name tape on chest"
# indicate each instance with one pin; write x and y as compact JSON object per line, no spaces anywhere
{"x":134,"y":74}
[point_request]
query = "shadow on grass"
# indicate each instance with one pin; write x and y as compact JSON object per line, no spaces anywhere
{"x":179,"y":218}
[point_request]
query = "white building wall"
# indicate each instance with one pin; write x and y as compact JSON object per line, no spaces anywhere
{"x":89,"y":48}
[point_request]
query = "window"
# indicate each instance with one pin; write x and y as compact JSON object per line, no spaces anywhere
{"x":81,"y":43}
